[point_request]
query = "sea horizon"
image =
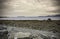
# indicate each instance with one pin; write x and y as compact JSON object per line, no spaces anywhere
{"x":31,"y":18}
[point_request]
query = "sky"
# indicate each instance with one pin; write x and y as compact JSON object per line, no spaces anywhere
{"x":13,"y":8}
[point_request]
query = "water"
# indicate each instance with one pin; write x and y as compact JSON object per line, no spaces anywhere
{"x":30,"y":18}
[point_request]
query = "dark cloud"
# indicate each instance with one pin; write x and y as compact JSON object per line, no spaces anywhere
{"x":2,"y":6}
{"x":58,"y":15}
{"x":56,"y":3}
{"x":2,"y":3}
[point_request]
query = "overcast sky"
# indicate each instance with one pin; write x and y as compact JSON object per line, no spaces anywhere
{"x":13,"y":8}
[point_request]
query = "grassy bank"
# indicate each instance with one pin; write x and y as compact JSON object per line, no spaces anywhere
{"x":51,"y":25}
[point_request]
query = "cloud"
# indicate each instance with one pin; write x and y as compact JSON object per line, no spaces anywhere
{"x":56,"y":3}
{"x":28,"y":7}
{"x":2,"y":6}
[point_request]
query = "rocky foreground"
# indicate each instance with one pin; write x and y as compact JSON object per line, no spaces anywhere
{"x":37,"y":34}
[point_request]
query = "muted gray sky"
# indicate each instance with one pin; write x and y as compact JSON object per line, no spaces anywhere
{"x":14,"y":8}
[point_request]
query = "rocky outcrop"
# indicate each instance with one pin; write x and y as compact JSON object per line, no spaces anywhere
{"x":3,"y":33}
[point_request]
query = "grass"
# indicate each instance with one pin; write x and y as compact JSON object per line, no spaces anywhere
{"x":50,"y":25}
